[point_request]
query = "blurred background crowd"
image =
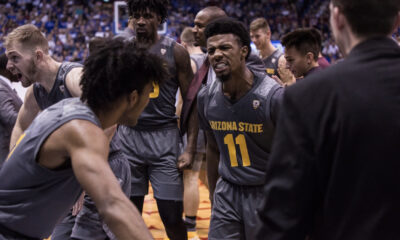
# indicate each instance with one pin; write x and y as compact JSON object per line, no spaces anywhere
{"x":70,"y":24}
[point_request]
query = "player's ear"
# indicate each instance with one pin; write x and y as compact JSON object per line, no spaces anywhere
{"x":244,"y":52}
{"x":38,"y":55}
{"x":133,"y":98}
{"x":309,"y":57}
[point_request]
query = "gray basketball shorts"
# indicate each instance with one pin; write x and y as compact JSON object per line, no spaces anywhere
{"x":153,"y":156}
{"x":234,"y":214}
{"x":88,"y":224}
{"x":200,"y":155}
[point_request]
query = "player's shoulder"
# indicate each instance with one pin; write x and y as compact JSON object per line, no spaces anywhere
{"x":265,"y":85}
{"x":208,"y":91}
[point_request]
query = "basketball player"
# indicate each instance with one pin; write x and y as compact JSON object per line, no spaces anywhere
{"x":202,"y":19}
{"x":191,"y":196}
{"x":260,"y":34}
{"x":49,"y":82}
{"x":238,"y":111}
{"x":153,"y":146}
{"x":65,"y":148}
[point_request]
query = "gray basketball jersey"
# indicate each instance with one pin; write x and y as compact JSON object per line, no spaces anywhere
{"x":271,"y":63}
{"x":198,"y":59}
{"x":243,"y":129}
{"x":33,"y":199}
{"x":59,"y":90}
{"x":160,"y":112}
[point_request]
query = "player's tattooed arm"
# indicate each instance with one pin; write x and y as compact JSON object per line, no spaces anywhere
{"x":212,"y":158}
{"x":29,"y":110}
{"x":185,"y":75}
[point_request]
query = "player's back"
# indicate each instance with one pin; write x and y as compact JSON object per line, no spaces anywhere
{"x":59,"y":90}
{"x":33,"y":198}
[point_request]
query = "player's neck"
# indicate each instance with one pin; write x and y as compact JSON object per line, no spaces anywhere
{"x":147,"y":42}
{"x":267,"y":51}
{"x":238,"y":84}
{"x":109,"y":117}
{"x":194,"y":50}
{"x":47,"y":73}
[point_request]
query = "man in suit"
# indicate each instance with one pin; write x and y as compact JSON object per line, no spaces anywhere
{"x":335,"y":161}
{"x":10,"y":104}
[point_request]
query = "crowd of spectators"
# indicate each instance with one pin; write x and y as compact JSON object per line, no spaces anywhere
{"x":70,"y":24}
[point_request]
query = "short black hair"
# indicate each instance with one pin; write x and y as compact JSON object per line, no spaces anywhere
{"x":227,"y":25}
{"x":369,"y":17}
{"x":303,"y":40}
{"x":160,"y":7}
{"x":318,"y":37}
{"x":116,"y":69}
{"x":96,"y":43}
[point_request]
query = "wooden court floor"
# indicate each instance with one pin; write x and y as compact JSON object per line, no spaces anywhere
{"x":153,"y":221}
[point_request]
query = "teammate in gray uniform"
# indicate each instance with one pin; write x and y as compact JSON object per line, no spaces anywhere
{"x":65,"y":148}
{"x":202,"y":19}
{"x":274,"y":61}
{"x":153,"y":145}
{"x":65,"y":79}
{"x":191,"y":197}
{"x":88,"y":225}
{"x":238,"y":111}
{"x":28,"y":58}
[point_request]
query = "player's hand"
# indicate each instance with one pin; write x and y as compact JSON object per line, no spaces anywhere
{"x":185,"y":160}
{"x":78,"y":205}
{"x":276,"y":78}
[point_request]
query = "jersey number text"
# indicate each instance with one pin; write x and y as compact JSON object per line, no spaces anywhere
{"x":241,"y":141}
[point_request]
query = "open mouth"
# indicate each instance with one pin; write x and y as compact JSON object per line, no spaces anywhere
{"x":140,"y":30}
{"x":219,"y":67}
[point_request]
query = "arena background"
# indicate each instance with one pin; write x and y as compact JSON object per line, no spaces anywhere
{"x":70,"y":24}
